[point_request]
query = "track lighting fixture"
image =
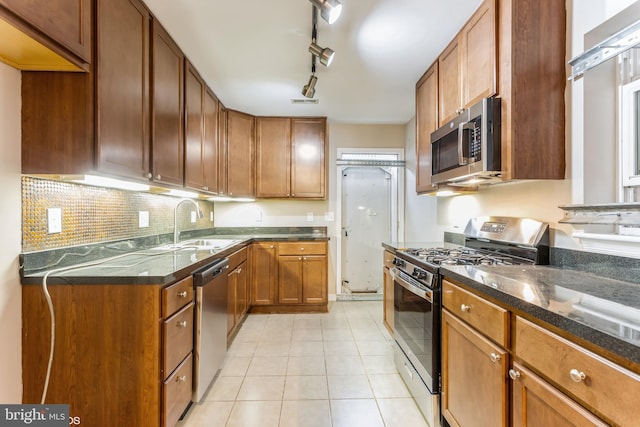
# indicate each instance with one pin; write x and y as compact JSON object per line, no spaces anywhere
{"x":329,"y":9}
{"x":325,"y":56}
{"x":309,"y":90}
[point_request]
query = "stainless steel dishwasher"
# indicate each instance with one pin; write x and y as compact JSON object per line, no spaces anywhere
{"x":211,"y":324}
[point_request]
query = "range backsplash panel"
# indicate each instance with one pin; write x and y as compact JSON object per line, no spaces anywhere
{"x":94,"y":214}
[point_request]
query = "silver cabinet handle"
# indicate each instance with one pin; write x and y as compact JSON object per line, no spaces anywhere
{"x":182,"y":294}
{"x":494,"y":357}
{"x":577,"y":376}
{"x":181,"y":379}
{"x":182,"y":324}
{"x":513,"y":374}
{"x":465,"y":308}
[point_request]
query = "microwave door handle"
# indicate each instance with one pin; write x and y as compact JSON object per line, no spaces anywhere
{"x":462,"y":160}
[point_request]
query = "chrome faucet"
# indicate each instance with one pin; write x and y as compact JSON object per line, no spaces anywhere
{"x":175,"y":217}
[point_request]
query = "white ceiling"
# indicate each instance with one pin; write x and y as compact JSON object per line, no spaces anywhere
{"x":254,"y":54}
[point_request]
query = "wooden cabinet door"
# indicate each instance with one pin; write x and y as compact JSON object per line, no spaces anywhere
{"x":426,"y":122}
{"x":242,"y":292}
{"x":273,"y":157}
{"x":167,"y":138}
{"x":314,"y":279}
{"x":308,"y":168}
{"x":232,"y":285}
{"x":474,"y":377}
{"x":264,"y":282}
{"x":122,"y":95}
{"x":67,"y":22}
{"x":210,"y":149}
{"x":479,"y":56}
{"x":290,"y":279}
{"x":240,"y":170}
{"x":194,"y":129}
{"x":537,"y":403}
{"x":387,"y":309}
{"x":222,"y":151}
{"x":449,"y":86}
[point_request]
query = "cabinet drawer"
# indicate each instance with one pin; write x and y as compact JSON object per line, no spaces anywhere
{"x":237,"y":258}
{"x":177,"y":332}
{"x":176,"y":296}
{"x":488,"y":318}
{"x":387,"y":259}
{"x":302,"y":248}
{"x":176,"y":392}
{"x":604,"y":386}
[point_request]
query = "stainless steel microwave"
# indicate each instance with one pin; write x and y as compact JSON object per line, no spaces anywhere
{"x":466,"y":150}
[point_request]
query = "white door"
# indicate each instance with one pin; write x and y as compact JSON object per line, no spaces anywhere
{"x":366,"y":223}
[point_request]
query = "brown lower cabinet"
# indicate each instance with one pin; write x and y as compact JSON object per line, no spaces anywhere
{"x":123,"y":353}
{"x":474,"y":376}
{"x":237,"y":291}
{"x":550,"y":381}
{"x":289,"y":276}
{"x":387,"y":301}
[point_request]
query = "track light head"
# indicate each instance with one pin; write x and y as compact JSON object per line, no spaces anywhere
{"x":324,"y":55}
{"x":330,"y":10}
{"x":309,"y":90}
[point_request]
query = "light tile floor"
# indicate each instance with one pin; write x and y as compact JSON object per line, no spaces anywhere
{"x":310,"y":370}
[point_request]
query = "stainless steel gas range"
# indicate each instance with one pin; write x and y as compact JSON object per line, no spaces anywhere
{"x":417,"y":294}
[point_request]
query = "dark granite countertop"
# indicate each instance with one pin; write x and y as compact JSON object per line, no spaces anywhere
{"x":159,"y":265}
{"x":599,"y":310}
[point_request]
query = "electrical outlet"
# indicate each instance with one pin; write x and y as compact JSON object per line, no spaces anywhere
{"x":54,"y":220}
{"x":143,"y":219}
{"x":211,"y":216}
{"x":259,"y":216}
{"x":309,"y":216}
{"x":194,"y":216}
{"x":329,"y":216}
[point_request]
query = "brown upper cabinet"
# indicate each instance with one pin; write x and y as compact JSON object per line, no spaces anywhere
{"x":46,"y":34}
{"x":290,"y":157}
{"x":239,"y":154}
{"x":122,"y":88}
{"x":168,"y":76}
{"x":514,"y":49}
{"x":467,"y":67}
{"x":426,"y":122}
{"x":222,"y":151}
{"x":201,"y":134}
{"x":308,"y":166}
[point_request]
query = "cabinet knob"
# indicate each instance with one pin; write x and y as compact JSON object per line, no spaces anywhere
{"x":238,"y":271}
{"x":205,"y":188}
{"x":465,"y":308}
{"x":149,"y":175}
{"x":158,"y":177}
{"x":182,"y":324}
{"x":302,"y":249}
{"x":577,"y":376}
{"x":495,"y":357}
{"x":299,"y":258}
{"x":181,"y":379}
{"x":272,"y":247}
{"x":182,"y":294}
{"x":513,"y":374}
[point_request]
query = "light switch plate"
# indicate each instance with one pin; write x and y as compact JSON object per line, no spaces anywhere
{"x":193,"y":216}
{"x":309,"y":216}
{"x":143,"y":219}
{"x":54,"y":220}
{"x":211,"y":216}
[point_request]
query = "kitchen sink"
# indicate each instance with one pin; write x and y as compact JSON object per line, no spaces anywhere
{"x":209,"y":244}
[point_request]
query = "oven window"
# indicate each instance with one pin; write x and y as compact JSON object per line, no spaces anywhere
{"x":417,"y":324}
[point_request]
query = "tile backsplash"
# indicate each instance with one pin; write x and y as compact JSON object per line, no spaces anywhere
{"x":95,"y":214}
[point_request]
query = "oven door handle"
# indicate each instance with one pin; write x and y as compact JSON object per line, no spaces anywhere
{"x":426,"y":294}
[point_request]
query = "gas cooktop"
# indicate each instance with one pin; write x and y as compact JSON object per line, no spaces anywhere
{"x":460,"y":256}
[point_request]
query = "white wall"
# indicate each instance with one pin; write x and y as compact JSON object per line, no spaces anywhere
{"x":10,"y":226}
{"x":285,"y":213}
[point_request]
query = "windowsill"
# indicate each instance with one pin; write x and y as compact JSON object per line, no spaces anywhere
{"x":612,"y":244}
